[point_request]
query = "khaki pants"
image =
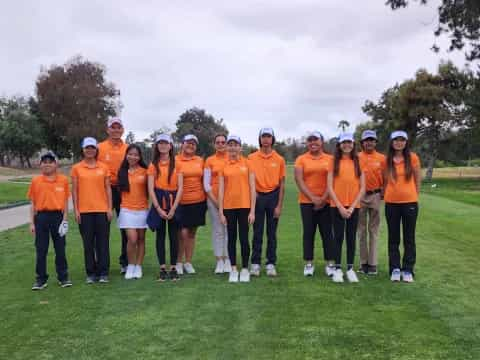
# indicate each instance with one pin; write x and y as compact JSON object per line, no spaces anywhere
{"x":369,"y":220}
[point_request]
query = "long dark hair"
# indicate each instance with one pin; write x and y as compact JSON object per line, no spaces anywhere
{"x":156,"y":160}
{"x":338,"y":155}
{"x":392,"y":173}
{"x":123,"y":184}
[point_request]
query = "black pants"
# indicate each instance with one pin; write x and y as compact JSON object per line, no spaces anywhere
{"x":406,"y":214}
{"x":46,"y":225}
{"x":264,"y":208}
{"x":238,"y":217}
{"x":160,"y":240}
{"x":311,"y":219}
{"x":344,"y":228}
{"x":116,"y":200}
{"x":95,"y":231}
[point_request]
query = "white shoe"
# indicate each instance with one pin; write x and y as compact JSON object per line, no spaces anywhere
{"x":129,"y":274}
{"x":308,"y":270}
{"x":220,"y":268}
{"x":351,"y":276}
{"x":255,"y":270}
{"x":271,"y":271}
{"x":396,"y":273}
{"x":329,"y":270}
{"x":188,"y":268}
{"x":244,"y":275}
{"x":138,"y":273}
{"x":407,"y":276}
{"x":227,"y":267}
{"x":338,"y":276}
{"x":179,"y":268}
{"x":233,"y":277}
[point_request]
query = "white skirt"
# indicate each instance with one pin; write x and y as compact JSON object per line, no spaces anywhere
{"x":132,"y":219}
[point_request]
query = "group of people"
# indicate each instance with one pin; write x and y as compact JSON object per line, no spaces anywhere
{"x":339,"y":193}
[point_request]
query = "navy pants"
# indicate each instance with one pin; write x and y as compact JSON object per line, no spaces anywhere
{"x":95,"y":231}
{"x":344,"y":228}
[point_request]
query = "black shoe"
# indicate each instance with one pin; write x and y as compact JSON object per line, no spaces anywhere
{"x":39,"y":285}
{"x":123,"y":269}
{"x":363,"y":269}
{"x":103,"y":279}
{"x":372,"y":270}
{"x":91,"y":280}
{"x":163,"y":275}
{"x":174,"y":275}
{"x":65,"y":283}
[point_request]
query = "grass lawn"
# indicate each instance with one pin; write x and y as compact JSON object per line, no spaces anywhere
{"x":466,"y":190}
{"x":289,"y":317}
{"x":12,"y":193}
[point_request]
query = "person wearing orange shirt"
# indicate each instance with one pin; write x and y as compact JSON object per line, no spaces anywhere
{"x":346,"y":186}
{"x":193,"y":206}
{"x":402,"y":186}
{"x":369,"y":215}
{"x":92,"y":202}
{"x":236,"y":199}
{"x":213,"y":165}
{"x":112,"y":152}
{"x":132,"y":183}
{"x":269,"y":169}
{"x":311,"y":170}
{"x":49,"y":194}
{"x":165,"y":188}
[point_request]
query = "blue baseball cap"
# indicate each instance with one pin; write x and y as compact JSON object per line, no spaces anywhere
{"x":369,"y":134}
{"x":234,"y":138}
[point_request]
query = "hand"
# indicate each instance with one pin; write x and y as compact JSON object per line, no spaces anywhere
{"x":318,"y":202}
{"x":350,"y":211}
{"x":109,"y":215}
{"x":223,"y":219}
{"x":277,"y":212}
{"x":78,"y":217}
{"x":162,"y":213}
{"x":251,"y":217}
{"x":63,"y":228}
{"x":343,"y":212}
{"x":32,"y":228}
{"x":171,"y":214}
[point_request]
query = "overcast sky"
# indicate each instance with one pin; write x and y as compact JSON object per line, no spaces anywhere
{"x":292,"y":65}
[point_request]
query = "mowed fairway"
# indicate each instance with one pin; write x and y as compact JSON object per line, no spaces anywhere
{"x":289,"y":317}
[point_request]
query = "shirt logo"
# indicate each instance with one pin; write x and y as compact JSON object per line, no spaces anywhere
{"x":273,"y":165}
{"x":107,"y":157}
{"x":59,"y":189}
{"x":99,"y":172}
{"x":243,"y":168}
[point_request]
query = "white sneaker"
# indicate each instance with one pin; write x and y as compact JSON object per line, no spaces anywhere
{"x":138,"y":273}
{"x":255,"y":270}
{"x":220,"y":268}
{"x":338,"y":276}
{"x":129,"y":274}
{"x":188,"y":268}
{"x":351,"y":276}
{"x":233,"y":277}
{"x":227,"y":267}
{"x":179,"y":268}
{"x":244,"y":275}
{"x":308,"y":270}
{"x":395,"y":275}
{"x":329,"y":270}
{"x":271,"y":271}
{"x":407,"y":276}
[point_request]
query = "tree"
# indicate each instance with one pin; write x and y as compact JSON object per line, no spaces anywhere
{"x":130,"y":139}
{"x":74,"y":101}
{"x":197,"y":122}
{"x":460,"y":19}
{"x":343,"y":124}
{"x":428,"y":107}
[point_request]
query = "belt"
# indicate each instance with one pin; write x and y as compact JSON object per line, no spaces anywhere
{"x":371,"y":192}
{"x":268,"y":193}
{"x":49,"y":211}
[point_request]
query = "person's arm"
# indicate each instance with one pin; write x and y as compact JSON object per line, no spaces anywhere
{"x":317,"y":201}
{"x":75,"y":199}
{"x":108,"y":191}
{"x":417,"y":175}
{"x":281,"y":194}
{"x":334,"y":197}
{"x":153,"y":196}
{"x":253,"y":197}
{"x":178,"y":197}
{"x":221,"y":193}
{"x":351,"y":209}
{"x":65,"y":210}
{"x":207,"y":178}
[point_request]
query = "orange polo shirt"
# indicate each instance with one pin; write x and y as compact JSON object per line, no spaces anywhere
{"x":49,"y":194}
{"x":373,"y":164}
{"x":92,"y":196}
{"x":401,"y":190}
{"x":112,"y":155}
{"x":136,"y":198}
{"x":215,"y":163}
{"x":161,"y":180}
{"x":315,"y":172}
{"x":236,"y":184}
{"x":192,"y":170}
{"x":346,"y":185}
{"x":269,"y":170}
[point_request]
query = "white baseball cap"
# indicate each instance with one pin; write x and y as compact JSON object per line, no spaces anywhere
{"x":234,"y":138}
{"x":114,"y":120}
{"x":399,"y":133}
{"x":369,"y":134}
{"x":89,"y":141}
{"x":266,"y":131}
{"x":163,"y":137}
{"x":345,"y":137}
{"x":190,"y":137}
{"x":48,"y":155}
{"x":315,"y":134}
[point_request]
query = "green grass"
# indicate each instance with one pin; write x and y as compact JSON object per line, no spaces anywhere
{"x":290,"y":317}
{"x":11,"y":193}
{"x":466,"y":190}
